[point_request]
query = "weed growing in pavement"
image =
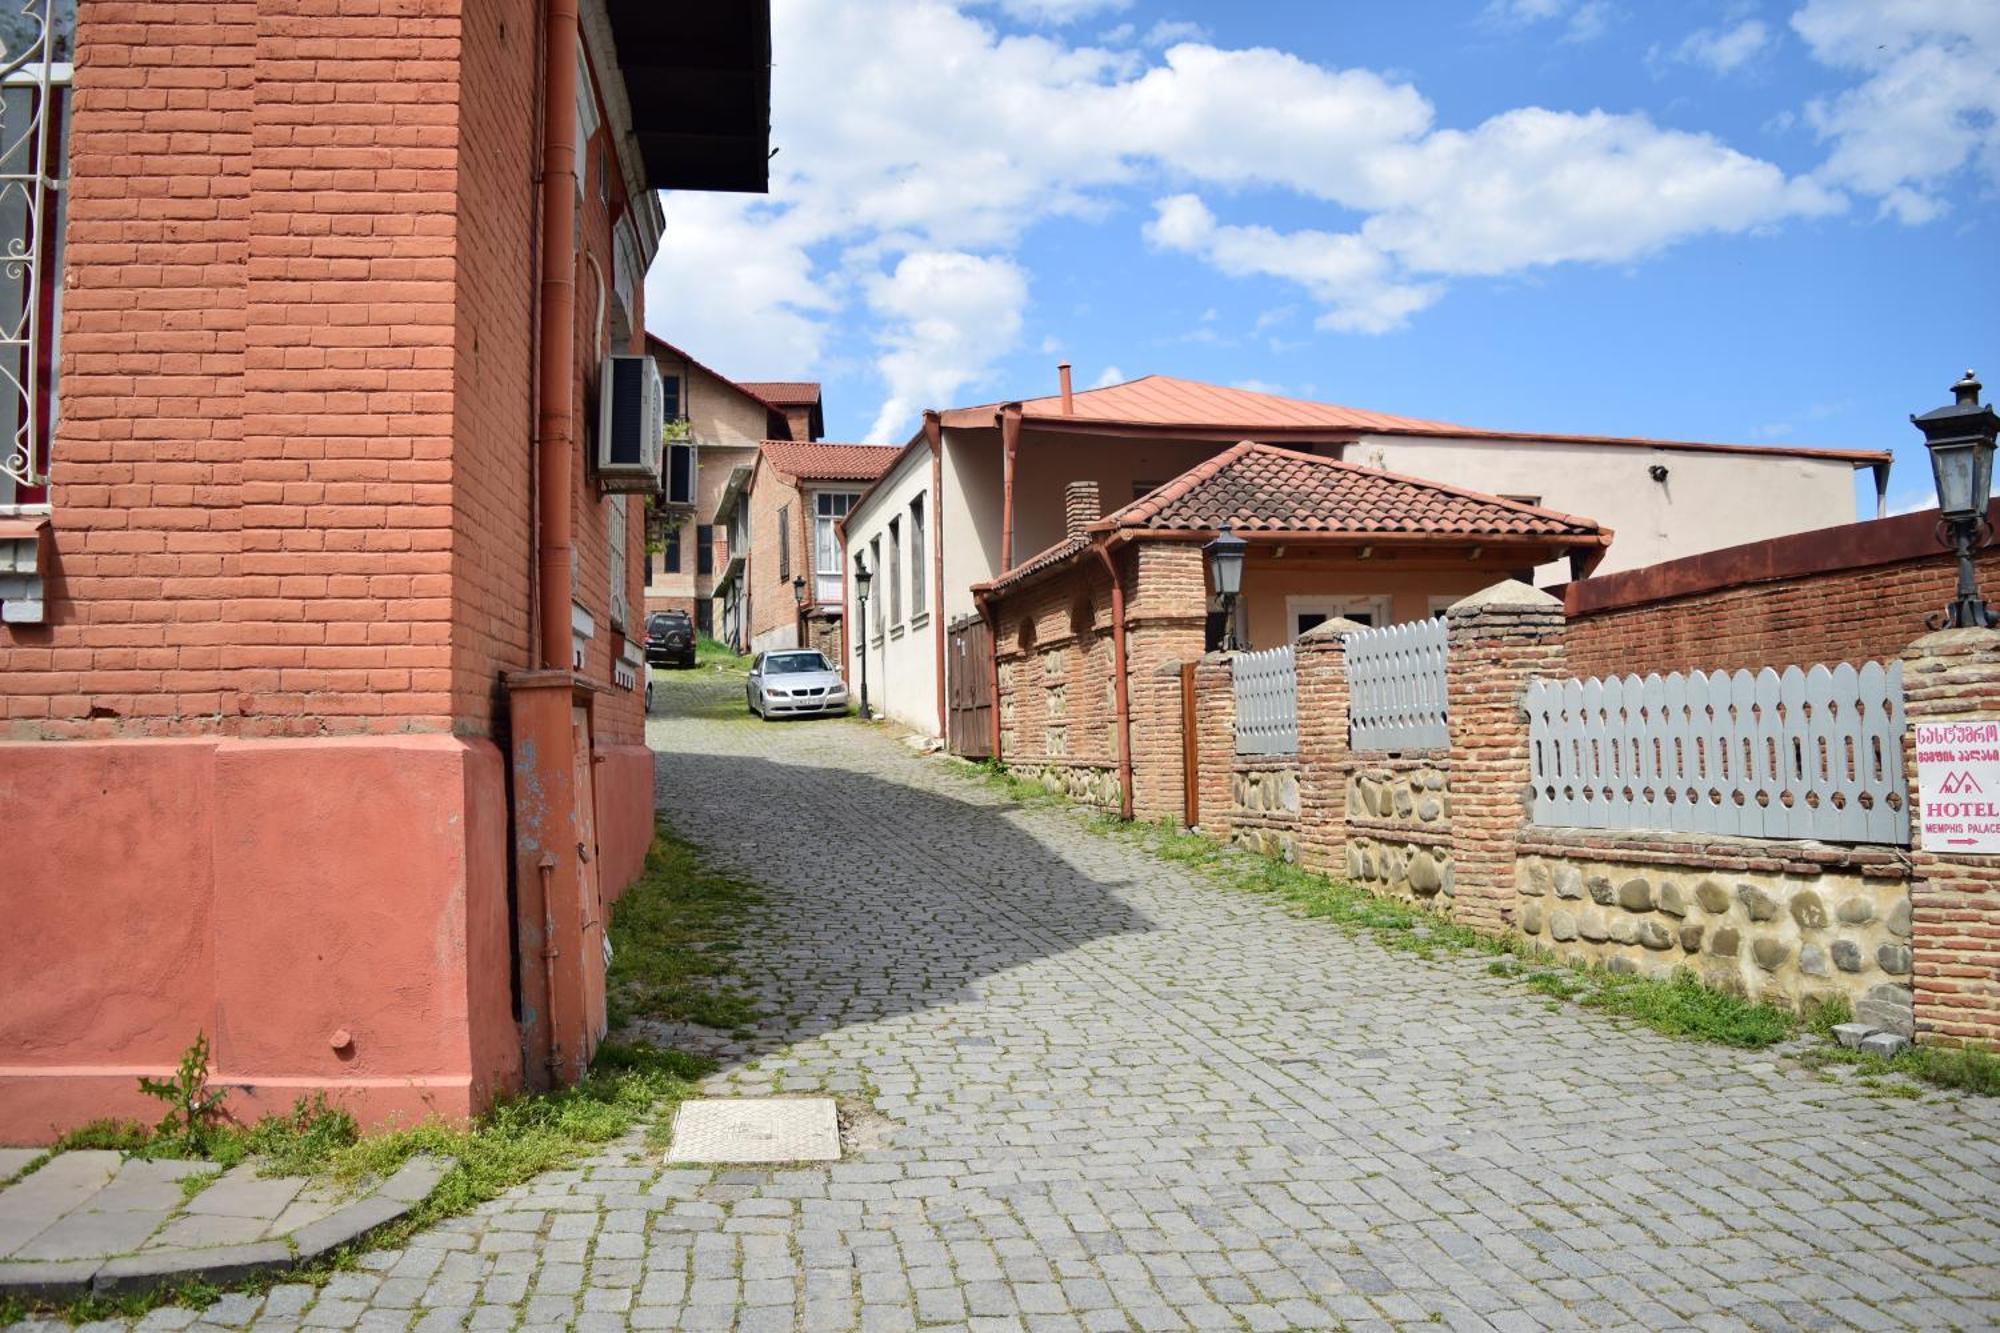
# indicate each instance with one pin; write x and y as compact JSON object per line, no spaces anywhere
{"x":193,"y":1107}
{"x":672,"y":937}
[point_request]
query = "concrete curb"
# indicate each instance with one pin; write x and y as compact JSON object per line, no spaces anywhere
{"x":68,"y":1280}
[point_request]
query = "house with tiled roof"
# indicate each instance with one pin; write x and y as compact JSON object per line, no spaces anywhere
{"x":995,"y":477}
{"x":1082,"y":630}
{"x":778,"y":581}
{"x":722,"y":425}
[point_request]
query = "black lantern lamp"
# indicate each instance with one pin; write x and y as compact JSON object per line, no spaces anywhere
{"x":1225,"y":572}
{"x":1960,"y":439}
{"x":859,"y":630}
{"x":799,"y":615}
{"x":799,"y":590}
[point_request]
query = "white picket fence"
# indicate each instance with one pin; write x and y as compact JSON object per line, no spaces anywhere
{"x":1267,"y":701}
{"x":1395,"y":682}
{"x":1802,"y":754}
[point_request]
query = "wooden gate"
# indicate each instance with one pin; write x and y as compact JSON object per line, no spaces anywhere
{"x":969,"y":688}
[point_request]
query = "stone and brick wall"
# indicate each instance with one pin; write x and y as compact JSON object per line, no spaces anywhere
{"x":1789,"y":923}
{"x":1058,"y":715}
{"x":1264,"y":804}
{"x":1398,"y":817}
{"x":1848,"y":594}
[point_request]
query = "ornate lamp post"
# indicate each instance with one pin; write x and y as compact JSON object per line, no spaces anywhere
{"x":1960,"y":437}
{"x":859,"y":630}
{"x":799,"y":599}
{"x":1225,"y":572}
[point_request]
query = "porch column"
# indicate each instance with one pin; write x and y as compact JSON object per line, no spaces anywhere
{"x":1500,"y":638}
{"x":1215,"y":731}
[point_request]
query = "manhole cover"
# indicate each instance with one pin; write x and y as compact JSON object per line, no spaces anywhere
{"x":756,"y":1129}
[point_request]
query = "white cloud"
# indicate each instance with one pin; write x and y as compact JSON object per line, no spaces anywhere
{"x":1058,"y":12}
{"x":1724,"y":50}
{"x":1007,"y":130}
{"x":1927,"y":107}
{"x":1169,"y":31}
{"x":1582,"y":20}
{"x":1107,"y":377}
{"x":947,"y":316}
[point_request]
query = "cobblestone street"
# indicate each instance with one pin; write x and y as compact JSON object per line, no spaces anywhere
{"x":1089,"y":1090}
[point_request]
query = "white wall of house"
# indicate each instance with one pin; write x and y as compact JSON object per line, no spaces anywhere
{"x":1707,"y":501}
{"x":898,"y":633}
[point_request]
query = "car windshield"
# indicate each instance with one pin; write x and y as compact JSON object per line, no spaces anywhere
{"x":663,"y":622}
{"x":790,"y":664}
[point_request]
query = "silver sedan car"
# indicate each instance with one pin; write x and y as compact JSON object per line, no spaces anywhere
{"x":794,"y":682}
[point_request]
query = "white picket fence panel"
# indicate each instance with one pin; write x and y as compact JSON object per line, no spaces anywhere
{"x":1267,"y":701}
{"x":1800,"y":754}
{"x":1395,"y":683}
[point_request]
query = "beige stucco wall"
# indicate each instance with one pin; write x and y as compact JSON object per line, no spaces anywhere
{"x":726,"y":427}
{"x":1045,"y":464}
{"x":1410,"y":585}
{"x":902,"y":659}
{"x":1708,"y":501}
{"x":970,"y":511}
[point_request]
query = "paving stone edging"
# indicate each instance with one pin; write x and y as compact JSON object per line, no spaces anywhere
{"x":71,"y":1279}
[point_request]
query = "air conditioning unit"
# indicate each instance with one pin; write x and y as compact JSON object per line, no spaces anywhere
{"x":631,"y":416}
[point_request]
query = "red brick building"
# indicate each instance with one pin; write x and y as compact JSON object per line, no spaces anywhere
{"x":780,"y":585}
{"x":315,"y":605}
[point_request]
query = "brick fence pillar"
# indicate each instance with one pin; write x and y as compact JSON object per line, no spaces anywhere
{"x":1156,"y":743}
{"x":1954,"y":900}
{"x":1501,"y":637}
{"x":1215,"y":730}
{"x":1324,"y":760}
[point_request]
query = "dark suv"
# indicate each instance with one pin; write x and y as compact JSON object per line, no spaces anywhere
{"x":670,"y":638}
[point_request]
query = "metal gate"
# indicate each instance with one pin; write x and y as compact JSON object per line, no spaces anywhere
{"x":969,"y":688}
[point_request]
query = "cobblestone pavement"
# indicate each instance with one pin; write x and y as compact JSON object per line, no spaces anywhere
{"x":1103,"y":1094}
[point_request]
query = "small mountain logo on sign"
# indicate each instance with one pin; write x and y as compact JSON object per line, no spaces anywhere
{"x":1958,"y":783}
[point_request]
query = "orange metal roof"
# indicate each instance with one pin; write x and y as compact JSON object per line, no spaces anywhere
{"x":829,"y":462}
{"x":1165,"y":403}
{"x":784,"y":393}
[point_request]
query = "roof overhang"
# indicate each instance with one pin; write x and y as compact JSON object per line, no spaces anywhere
{"x":697,"y":78}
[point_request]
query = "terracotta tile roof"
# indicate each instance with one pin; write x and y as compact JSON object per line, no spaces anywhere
{"x":1163,"y":402}
{"x":830,"y":462}
{"x":1063,"y":551}
{"x":784,"y":393}
{"x":1253,"y":488}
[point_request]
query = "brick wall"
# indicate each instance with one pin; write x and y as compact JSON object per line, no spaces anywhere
{"x":1053,"y":640}
{"x":1854,"y":593}
{"x":774,"y":610}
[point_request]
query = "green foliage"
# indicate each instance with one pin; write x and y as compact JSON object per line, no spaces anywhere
{"x":1828,"y":1014}
{"x":115,"y":1135}
{"x":710,"y":652}
{"x":672,"y":936}
{"x":192,"y":1106}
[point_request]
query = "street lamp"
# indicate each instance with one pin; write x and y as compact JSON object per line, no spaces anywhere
{"x":799,"y":599}
{"x":1225,"y":571}
{"x":1960,"y":437}
{"x":858,"y":631}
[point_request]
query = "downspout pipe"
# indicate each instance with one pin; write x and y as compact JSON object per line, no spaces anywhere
{"x":555,"y":379}
{"x":1010,"y":444}
{"x":934,"y":432}
{"x":1121,"y":678}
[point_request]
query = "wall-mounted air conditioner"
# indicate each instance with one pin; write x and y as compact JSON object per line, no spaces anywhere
{"x":631,"y":414}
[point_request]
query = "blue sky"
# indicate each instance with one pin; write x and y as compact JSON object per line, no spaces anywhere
{"x":1719,"y":219}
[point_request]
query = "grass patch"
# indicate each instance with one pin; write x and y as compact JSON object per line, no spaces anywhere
{"x":710,"y":652}
{"x":671,"y":933}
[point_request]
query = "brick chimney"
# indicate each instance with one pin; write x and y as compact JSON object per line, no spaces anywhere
{"x":1080,"y":507}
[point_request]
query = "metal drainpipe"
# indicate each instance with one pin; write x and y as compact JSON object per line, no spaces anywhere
{"x":934,"y":430}
{"x":1121,"y":681}
{"x":1010,"y":442}
{"x":556,"y":336}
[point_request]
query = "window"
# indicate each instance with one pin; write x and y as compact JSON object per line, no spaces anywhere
{"x":919,"y":558}
{"x":875,"y":568}
{"x":1304,"y":613}
{"x":680,"y":474}
{"x":895,"y":572}
{"x":614,"y":532}
{"x":829,"y":507}
{"x":586,"y":116}
{"x":672,"y":385}
{"x":784,"y":543}
{"x":672,"y":550}
{"x":35,"y":109}
{"x":704,"y":549}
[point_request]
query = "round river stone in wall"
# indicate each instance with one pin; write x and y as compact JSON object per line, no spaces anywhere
{"x":1899,"y":919}
{"x":1424,"y":877}
{"x":1624,"y":930}
{"x":1429,"y":809}
{"x":1536,"y":882}
{"x":1725,"y":942}
{"x":1712,"y":897}
{"x":1846,"y":955}
{"x":1812,"y":961}
{"x":1691,"y":934}
{"x":1760,"y":905}
{"x":1655,"y":935}
{"x":1601,"y":891}
{"x":1808,"y":910}
{"x":1621,"y":966}
{"x":1635,"y":895}
{"x":1562,"y":925}
{"x":1531,"y":919}
{"x":1769,"y":953}
{"x":1857,"y":911}
{"x":1569,"y":882}
{"x":1672,"y":900}
{"x":1893,"y":959}
{"x":1591,"y":928}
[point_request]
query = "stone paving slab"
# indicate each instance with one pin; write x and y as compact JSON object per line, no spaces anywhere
{"x":1085,"y":1089}
{"x":104,"y":1225}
